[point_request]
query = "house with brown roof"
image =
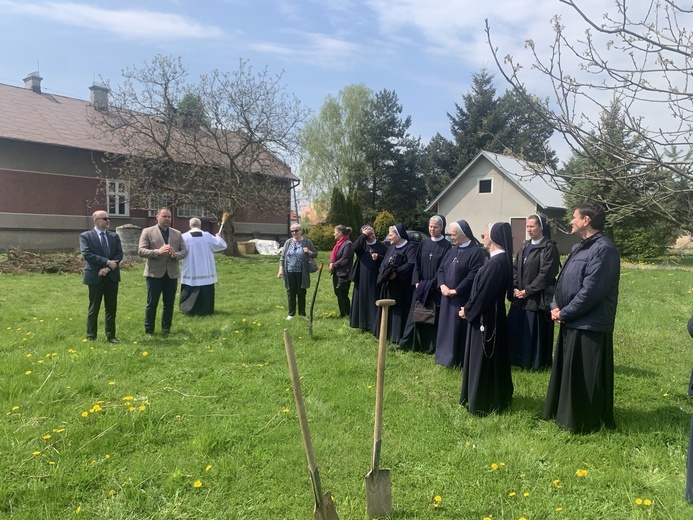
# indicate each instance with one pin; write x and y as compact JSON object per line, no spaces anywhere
{"x":52,"y":180}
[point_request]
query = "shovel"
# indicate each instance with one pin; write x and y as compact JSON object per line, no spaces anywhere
{"x":324,"y":507}
{"x":312,"y":303}
{"x":378,"y":485}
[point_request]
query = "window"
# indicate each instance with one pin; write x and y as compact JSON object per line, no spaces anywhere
{"x":193,"y":210}
{"x":485,"y":185}
{"x":156,"y":202}
{"x":118,"y":198}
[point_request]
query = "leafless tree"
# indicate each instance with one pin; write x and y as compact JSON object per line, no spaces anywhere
{"x":639,"y":56}
{"x":219,"y":145}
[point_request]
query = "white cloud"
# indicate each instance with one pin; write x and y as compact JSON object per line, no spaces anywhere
{"x":324,"y":50}
{"x":124,"y":23}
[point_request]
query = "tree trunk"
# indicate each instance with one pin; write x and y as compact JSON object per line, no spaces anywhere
{"x":229,"y":235}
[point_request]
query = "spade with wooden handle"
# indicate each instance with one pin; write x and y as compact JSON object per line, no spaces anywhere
{"x":378,"y":484}
{"x":324,"y":507}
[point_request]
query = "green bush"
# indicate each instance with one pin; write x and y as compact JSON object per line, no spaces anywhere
{"x":322,"y":236}
{"x":382,"y":224}
{"x":644,"y":238}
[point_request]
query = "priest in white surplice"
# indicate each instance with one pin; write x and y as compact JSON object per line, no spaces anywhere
{"x":199,"y":273}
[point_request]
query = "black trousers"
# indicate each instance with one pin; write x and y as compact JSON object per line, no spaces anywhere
{"x":295,"y":292}
{"x":156,"y":288}
{"x":106,"y":290}
{"x":341,"y":290}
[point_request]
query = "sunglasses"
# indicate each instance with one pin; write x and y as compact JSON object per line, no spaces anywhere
{"x":295,"y":230}
{"x":103,"y":218}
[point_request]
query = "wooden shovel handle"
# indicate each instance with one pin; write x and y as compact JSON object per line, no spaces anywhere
{"x":302,"y":419}
{"x":380,"y":380}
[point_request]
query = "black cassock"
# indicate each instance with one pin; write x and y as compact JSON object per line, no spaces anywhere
{"x":399,"y":289}
{"x":365,"y":273}
{"x":487,"y":384}
{"x":419,"y":336}
{"x":457,"y":271}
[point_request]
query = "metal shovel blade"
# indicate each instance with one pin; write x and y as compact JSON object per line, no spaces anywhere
{"x":378,"y":493}
{"x":326,"y":510}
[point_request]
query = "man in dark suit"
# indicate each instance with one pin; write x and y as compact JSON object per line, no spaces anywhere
{"x":102,"y":251}
{"x":163,"y":247}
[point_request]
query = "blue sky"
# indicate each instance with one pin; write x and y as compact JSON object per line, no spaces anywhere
{"x":425,"y":50}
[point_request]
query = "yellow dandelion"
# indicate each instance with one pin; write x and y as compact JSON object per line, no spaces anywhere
{"x":244,"y":320}
{"x":40,"y":362}
{"x":197,"y":484}
{"x":79,"y":508}
{"x":638,"y":501}
{"x":522,"y":518}
{"x":142,"y":408}
{"x":559,"y":509}
{"x":15,"y":408}
{"x":97,"y":408}
{"x":35,"y":453}
{"x":525,"y":494}
{"x":107,"y":456}
{"x":522,"y":475}
{"x":93,"y":462}
{"x":134,"y":342}
{"x":665,"y":394}
{"x":285,"y":410}
{"x":512,"y":494}
{"x":487,"y":518}
{"x":85,"y":340}
{"x":208,"y":468}
{"x":647,"y":502}
{"x":28,"y":372}
{"x":58,"y":430}
{"x":145,"y":353}
{"x":501,"y":464}
{"x":28,"y":355}
{"x":91,"y":410}
{"x":131,"y":408}
{"x":111,"y":492}
{"x":437,"y":498}
{"x":128,"y":398}
{"x":111,"y":382}
{"x":46,"y":437}
{"x":84,"y":414}
{"x":51,"y":463}
{"x":71,"y":350}
{"x":288,"y":390}
{"x":494,"y":466}
{"x":581,"y":473}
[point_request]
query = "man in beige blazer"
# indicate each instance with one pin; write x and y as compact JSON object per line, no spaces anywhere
{"x":163,"y":247}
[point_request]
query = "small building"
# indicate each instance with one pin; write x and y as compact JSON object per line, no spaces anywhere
{"x":499,"y":188}
{"x":50,"y":181}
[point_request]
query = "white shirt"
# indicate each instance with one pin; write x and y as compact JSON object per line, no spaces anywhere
{"x":198,"y":267}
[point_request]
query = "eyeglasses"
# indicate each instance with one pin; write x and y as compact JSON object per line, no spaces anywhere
{"x":103,"y":218}
{"x":295,"y":230}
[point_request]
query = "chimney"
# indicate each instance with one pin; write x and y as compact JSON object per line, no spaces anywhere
{"x":33,"y":82}
{"x":99,"y":96}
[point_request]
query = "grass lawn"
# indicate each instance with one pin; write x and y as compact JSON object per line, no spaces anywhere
{"x":202,"y":424}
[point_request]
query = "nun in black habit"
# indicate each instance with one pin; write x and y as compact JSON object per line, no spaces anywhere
{"x":487,"y":384}
{"x":395,"y":281}
{"x":369,"y":255}
{"x":421,"y":337}
{"x":455,"y":277}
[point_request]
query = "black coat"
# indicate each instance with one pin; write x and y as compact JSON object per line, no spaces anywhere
{"x":587,"y":288}
{"x":535,"y":272}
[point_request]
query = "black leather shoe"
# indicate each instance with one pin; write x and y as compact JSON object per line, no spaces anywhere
{"x":113,"y":340}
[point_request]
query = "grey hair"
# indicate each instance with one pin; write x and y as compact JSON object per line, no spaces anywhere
{"x":296,"y":226}
{"x":195,"y":222}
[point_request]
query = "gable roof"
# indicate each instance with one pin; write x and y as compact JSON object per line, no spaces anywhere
{"x":538,"y":189}
{"x":38,"y":117}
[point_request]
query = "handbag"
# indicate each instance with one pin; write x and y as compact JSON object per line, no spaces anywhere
{"x":312,"y":265}
{"x":546,"y":298}
{"x":424,"y":314}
